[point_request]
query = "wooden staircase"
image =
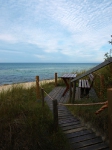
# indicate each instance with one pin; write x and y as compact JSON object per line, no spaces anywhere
{"x":79,"y":136}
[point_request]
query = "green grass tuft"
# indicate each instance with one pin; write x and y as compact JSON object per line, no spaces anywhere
{"x":24,"y":124}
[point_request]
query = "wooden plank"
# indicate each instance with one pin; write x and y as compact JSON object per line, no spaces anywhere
{"x":56,"y":94}
{"x":59,"y":94}
{"x":64,"y":115}
{"x":89,"y":142}
{"x":87,"y":83}
{"x":93,"y":69}
{"x":83,"y":83}
{"x":79,"y":133}
{"x":69,"y":124}
{"x":75,"y":130}
{"x":63,"y":112}
{"x":82,"y":138}
{"x":67,"y":121}
{"x":63,"y":118}
{"x":52,"y":94}
{"x":99,"y":146}
{"x":72,"y":127}
{"x":80,"y":85}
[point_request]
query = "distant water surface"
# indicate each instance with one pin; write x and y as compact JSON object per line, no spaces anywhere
{"x":26,"y":72}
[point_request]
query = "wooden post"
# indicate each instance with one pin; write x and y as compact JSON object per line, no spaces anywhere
{"x":73,"y":94}
{"x":109,"y":97}
{"x":42,"y":95}
{"x":37,"y":88}
{"x":55,"y":79}
{"x":70,"y":86}
{"x":55,"y":114}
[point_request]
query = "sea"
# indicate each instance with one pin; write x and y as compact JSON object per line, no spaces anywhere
{"x":11,"y":73}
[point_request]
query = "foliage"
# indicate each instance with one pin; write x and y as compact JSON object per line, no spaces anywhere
{"x":24,"y":124}
{"x":107,"y":56}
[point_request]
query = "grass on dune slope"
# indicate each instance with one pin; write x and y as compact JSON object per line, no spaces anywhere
{"x":25,"y":125}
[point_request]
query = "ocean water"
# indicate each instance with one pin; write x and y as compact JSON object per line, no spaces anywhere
{"x":25,"y":72}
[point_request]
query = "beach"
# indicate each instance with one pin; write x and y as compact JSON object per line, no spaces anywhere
{"x":24,"y":85}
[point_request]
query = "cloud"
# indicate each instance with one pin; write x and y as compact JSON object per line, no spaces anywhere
{"x":64,"y":28}
{"x":9,"y":51}
{"x":39,"y":56}
{"x":7,"y":38}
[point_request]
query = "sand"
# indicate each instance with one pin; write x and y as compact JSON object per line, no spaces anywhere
{"x":25,"y":85}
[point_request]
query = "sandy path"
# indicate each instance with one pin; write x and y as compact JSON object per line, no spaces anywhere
{"x":26,"y":85}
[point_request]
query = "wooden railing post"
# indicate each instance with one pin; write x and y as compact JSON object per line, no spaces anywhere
{"x":37,"y":88}
{"x":42,"y":96}
{"x":109,"y":96}
{"x":55,"y":79}
{"x":70,"y":86}
{"x":55,"y":114}
{"x":73,"y":94}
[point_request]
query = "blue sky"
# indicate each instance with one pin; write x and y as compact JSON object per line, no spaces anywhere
{"x":55,"y":30}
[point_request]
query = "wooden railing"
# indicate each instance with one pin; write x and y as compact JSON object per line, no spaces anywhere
{"x":105,"y":63}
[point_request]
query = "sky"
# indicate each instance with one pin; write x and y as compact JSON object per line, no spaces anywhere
{"x":55,"y":31}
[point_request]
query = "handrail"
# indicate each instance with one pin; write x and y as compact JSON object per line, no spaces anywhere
{"x":94,"y":69}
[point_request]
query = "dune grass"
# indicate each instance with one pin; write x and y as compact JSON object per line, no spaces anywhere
{"x":24,"y":124}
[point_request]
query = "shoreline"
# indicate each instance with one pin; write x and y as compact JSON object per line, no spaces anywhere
{"x":6,"y":87}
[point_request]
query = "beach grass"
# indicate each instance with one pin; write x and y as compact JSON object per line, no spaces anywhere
{"x":24,"y":124}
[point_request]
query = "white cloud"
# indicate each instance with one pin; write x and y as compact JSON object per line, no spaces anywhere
{"x":7,"y":38}
{"x":39,"y":56}
{"x":83,"y":27}
{"x":11,"y":51}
